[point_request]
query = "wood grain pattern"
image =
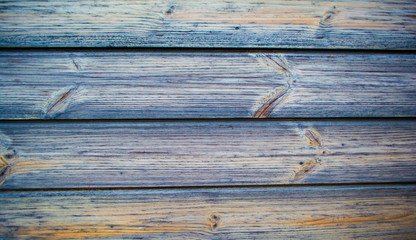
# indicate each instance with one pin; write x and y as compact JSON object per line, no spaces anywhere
{"x":354,"y":24}
{"x":208,"y":177}
{"x":382,"y":212}
{"x":177,"y":84}
{"x":196,"y":153}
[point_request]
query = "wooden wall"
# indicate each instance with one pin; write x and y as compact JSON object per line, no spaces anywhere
{"x":207,"y":119}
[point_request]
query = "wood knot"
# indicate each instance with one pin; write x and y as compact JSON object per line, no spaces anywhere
{"x":305,"y":169}
{"x":59,"y":101}
{"x":3,"y":162}
{"x":7,"y":155}
{"x":5,"y":168}
{"x":275,"y":62}
{"x":273,"y":99}
{"x":329,"y":16}
{"x":326,"y":22}
{"x":313,"y":138}
{"x":324,"y":151}
{"x":214,"y":220}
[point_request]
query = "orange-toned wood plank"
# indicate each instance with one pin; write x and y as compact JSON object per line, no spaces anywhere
{"x":369,"y":212}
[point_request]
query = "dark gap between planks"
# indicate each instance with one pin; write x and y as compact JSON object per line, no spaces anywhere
{"x":380,"y":184}
{"x":206,"y":50}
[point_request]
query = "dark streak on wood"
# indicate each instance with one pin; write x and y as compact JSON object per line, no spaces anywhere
{"x":77,"y":66}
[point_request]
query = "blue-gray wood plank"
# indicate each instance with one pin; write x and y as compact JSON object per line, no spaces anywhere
{"x":208,"y":84}
{"x":353,"y":24}
{"x":205,"y":153}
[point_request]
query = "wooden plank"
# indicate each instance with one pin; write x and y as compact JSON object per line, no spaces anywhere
{"x":353,"y":24}
{"x":194,"y":153}
{"x":129,"y":84}
{"x":384,"y":212}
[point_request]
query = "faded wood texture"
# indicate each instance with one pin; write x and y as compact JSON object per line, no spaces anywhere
{"x":359,"y":24}
{"x":193,"y":153}
{"x":151,"y":85}
{"x":383,"y":212}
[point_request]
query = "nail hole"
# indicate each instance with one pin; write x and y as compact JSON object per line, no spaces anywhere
{"x":214,"y":217}
{"x":170,"y":10}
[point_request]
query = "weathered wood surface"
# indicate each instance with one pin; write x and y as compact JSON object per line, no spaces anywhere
{"x":194,"y":153}
{"x":382,"y":212}
{"x":356,"y":24}
{"x":177,"y":84}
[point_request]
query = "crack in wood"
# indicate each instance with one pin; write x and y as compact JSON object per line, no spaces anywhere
{"x":76,"y":65}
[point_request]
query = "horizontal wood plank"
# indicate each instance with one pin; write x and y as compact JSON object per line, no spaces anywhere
{"x":151,"y":85}
{"x":354,"y":24}
{"x":194,"y":153}
{"x":384,"y":212}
